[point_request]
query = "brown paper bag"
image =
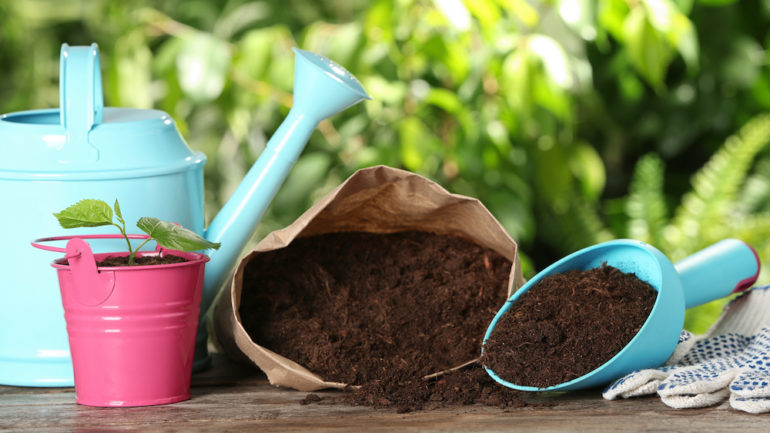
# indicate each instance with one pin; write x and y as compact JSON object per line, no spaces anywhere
{"x":377,"y":200}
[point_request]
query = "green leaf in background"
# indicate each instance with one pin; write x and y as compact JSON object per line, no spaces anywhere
{"x":744,"y":61}
{"x":306,"y":176}
{"x":648,"y":49}
{"x":579,"y":15}
{"x":415,"y":139}
{"x":260,"y":50}
{"x":202,"y":66}
{"x":611,"y":16}
{"x":85,"y":213}
{"x":517,"y":80}
{"x":340,"y":42}
{"x":446,"y":100}
{"x":588,"y":167}
{"x":172,"y":236}
{"x":239,"y":18}
{"x":554,"y":60}
{"x":130,"y":83}
{"x":522,"y":10}
{"x":553,"y":181}
{"x":666,"y":18}
{"x":717,"y":2}
{"x":486,"y":12}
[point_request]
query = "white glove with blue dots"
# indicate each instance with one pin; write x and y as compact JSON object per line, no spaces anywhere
{"x":732,"y":360}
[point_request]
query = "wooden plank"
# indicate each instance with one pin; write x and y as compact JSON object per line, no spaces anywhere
{"x":231,"y":398}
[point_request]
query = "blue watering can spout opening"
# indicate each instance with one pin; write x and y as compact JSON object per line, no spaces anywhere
{"x":335,"y":71}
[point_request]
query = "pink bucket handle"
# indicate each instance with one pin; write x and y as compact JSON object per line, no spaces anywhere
{"x":92,"y":287}
{"x":37,"y":243}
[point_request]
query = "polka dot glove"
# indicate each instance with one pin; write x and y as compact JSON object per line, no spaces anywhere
{"x":732,"y":360}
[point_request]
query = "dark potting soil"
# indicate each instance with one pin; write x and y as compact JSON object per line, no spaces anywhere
{"x":567,"y":325}
{"x":112,"y":261}
{"x":471,"y":385}
{"x":381,"y":311}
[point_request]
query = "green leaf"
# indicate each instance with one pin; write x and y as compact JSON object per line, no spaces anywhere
{"x":415,"y":139}
{"x":554,"y":59}
{"x":522,"y":10}
{"x":172,"y":236}
{"x":339,"y":42}
{"x":117,"y":211}
{"x":85,"y":213}
{"x":579,"y":15}
{"x":648,"y":48}
{"x":552,"y":178}
{"x":588,"y":167}
{"x":202,"y":66}
{"x":445,"y":99}
{"x":308,"y":174}
{"x":517,"y":80}
{"x":716,"y":2}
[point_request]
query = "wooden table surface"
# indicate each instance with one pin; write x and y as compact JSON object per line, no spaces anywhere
{"x":232,"y":398}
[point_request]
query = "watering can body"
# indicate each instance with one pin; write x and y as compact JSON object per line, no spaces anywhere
{"x":56,"y":157}
{"x":135,"y":155}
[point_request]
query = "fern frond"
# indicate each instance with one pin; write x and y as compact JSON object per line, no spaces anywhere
{"x":646,"y":204}
{"x":755,"y":194}
{"x":702,"y":217}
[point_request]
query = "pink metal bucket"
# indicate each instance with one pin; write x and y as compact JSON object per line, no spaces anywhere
{"x":131,"y":329}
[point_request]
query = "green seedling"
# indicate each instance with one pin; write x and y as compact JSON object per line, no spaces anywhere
{"x":95,"y":213}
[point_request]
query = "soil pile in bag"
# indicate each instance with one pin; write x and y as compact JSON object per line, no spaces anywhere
{"x":381,"y":311}
{"x":567,"y":325}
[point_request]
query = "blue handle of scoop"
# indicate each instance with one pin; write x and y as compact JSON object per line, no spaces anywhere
{"x":712,"y":273}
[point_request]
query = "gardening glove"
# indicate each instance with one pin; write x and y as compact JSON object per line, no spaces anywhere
{"x":731,"y":360}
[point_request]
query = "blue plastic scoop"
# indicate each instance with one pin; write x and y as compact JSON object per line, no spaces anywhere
{"x":723,"y":268}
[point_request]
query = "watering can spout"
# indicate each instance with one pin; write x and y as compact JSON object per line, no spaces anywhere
{"x":321,"y":89}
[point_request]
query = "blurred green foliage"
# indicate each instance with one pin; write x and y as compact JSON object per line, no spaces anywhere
{"x":574,"y":121}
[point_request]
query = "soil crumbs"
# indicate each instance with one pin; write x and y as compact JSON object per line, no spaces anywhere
{"x":567,"y":325}
{"x":116,"y":261}
{"x":381,"y":311}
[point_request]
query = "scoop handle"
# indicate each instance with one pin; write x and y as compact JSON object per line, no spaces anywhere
{"x":714,"y":272}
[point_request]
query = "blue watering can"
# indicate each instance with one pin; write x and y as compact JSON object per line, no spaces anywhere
{"x":717,"y":271}
{"x":53,"y":158}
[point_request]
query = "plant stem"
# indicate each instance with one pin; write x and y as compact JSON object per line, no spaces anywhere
{"x":132,"y":255}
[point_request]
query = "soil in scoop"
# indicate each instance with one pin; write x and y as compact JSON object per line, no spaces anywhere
{"x":567,"y":325}
{"x":381,"y":311}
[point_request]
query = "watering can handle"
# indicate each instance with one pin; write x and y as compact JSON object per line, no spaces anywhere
{"x":81,"y":102}
{"x":728,"y":266}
